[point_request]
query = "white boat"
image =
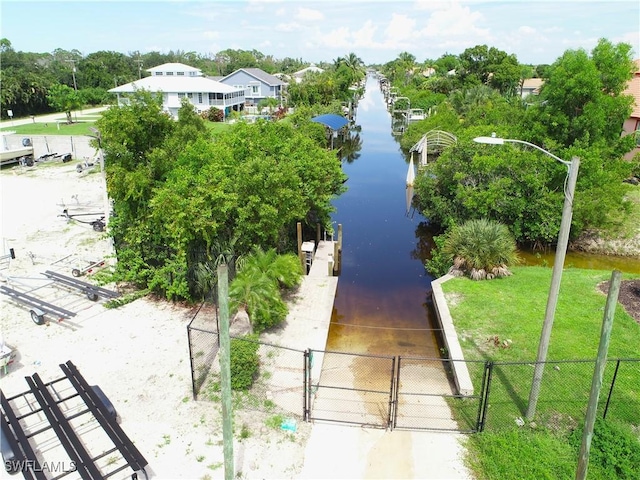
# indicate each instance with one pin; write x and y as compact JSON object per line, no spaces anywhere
{"x":411,"y":173}
{"x":416,"y":114}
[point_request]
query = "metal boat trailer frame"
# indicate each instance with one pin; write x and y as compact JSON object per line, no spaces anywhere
{"x":39,"y":308}
{"x":53,"y":405}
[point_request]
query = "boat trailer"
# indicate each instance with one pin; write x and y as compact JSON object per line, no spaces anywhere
{"x":98,"y":224}
{"x":66,"y":426}
{"x":39,"y":307}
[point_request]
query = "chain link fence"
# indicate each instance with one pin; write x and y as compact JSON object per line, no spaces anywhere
{"x":426,"y":397}
{"x":352,"y":388}
{"x":411,"y":393}
{"x":278,"y":386}
{"x":564,"y":394}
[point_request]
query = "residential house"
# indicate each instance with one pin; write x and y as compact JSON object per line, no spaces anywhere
{"x":530,"y":86}
{"x":299,"y":75}
{"x":177,"y":81}
{"x":257,"y":85}
{"x":631,"y":126}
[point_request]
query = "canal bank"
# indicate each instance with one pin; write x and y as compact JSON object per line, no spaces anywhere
{"x":382,"y":304}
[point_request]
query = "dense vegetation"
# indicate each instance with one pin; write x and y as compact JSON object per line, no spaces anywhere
{"x":579,"y":112}
{"x":181,"y":200}
{"x":26,"y":78}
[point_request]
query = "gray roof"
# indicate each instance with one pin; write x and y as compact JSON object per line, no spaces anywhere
{"x":260,"y":75}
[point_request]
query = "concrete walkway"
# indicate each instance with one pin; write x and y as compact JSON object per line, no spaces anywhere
{"x":335,"y":451}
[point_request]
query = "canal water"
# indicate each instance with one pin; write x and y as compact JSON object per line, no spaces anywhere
{"x":383,"y":297}
{"x":383,"y":302}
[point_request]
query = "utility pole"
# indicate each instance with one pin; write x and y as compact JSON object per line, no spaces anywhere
{"x":225,"y":370}
{"x":73,"y":73}
{"x":596,"y":383}
{"x":554,"y":291}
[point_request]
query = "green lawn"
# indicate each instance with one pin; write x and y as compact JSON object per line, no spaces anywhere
{"x":489,"y":313}
{"x":82,"y":127}
{"x":51,"y":128}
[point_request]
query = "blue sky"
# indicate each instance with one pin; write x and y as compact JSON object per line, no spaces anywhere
{"x":536,"y":31}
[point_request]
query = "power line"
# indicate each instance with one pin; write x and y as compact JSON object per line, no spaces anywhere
{"x":388,"y":328}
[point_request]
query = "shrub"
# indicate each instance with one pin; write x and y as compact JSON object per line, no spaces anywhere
{"x":213,"y":115}
{"x":482,"y":249}
{"x":440,"y":262}
{"x":614,"y":452}
{"x":244,"y":362}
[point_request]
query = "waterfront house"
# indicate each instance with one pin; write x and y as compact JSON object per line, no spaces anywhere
{"x":256,"y":84}
{"x":176,"y":81}
{"x":631,"y":125}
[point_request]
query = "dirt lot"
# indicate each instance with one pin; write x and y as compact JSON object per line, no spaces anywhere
{"x":628,"y":297}
{"x":138,"y":353}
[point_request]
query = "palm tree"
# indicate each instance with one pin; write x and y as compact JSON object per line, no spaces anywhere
{"x":256,"y":287}
{"x":482,"y":249}
{"x":285,"y":270}
{"x":354,"y":63}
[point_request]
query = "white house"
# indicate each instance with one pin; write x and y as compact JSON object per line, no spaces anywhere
{"x":299,"y":75}
{"x":177,"y":81}
{"x":530,"y":86}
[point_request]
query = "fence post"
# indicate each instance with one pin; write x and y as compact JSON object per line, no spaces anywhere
{"x":225,"y":372}
{"x":613,"y":382}
{"x":596,"y":383}
{"x":484,"y":396}
{"x":193,"y":373}
{"x":305,"y":386}
{"x":393,"y":394}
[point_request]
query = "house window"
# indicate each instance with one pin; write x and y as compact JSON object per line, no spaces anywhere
{"x":169,"y":73}
{"x":192,"y":74}
{"x":638,"y":138}
{"x":255,"y":89}
{"x":212,"y":97}
{"x":190,"y":95}
{"x":180,"y":95}
{"x":159,"y":74}
{"x":180,"y":73}
{"x":199,"y":98}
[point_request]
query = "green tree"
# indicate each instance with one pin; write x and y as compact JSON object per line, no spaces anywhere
{"x":520,"y":188}
{"x":481,"y":249}
{"x":268,"y":103}
{"x":178,"y":195}
{"x":258,"y":284}
{"x":64,"y":99}
{"x":490,"y":66}
{"x":582,"y":97}
{"x":24,"y":81}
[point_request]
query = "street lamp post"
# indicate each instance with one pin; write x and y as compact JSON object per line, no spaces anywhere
{"x":561,"y":250}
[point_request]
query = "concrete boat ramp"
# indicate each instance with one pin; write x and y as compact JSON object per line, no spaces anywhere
{"x":340,"y":451}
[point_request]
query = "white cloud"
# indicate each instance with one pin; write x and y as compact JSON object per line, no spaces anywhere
{"x":456,"y":20}
{"x":526,"y":30}
{"x":288,"y":27}
{"x":400,"y":28}
{"x":338,"y":38}
{"x":364,"y":37}
{"x":309,"y":15}
{"x":210,"y":35}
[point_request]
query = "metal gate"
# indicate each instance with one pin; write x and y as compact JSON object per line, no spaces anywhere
{"x":426,"y":397}
{"x":392,"y":392}
{"x":350,"y":388}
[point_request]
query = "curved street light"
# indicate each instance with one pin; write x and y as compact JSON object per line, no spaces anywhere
{"x":556,"y":276}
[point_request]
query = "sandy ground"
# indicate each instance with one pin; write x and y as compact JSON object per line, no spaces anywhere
{"x":138,"y":353}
